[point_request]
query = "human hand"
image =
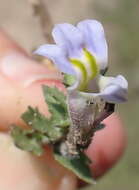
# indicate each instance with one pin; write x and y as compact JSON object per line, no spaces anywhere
{"x":20,"y":83}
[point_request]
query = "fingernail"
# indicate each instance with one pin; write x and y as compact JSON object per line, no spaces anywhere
{"x":25,"y":70}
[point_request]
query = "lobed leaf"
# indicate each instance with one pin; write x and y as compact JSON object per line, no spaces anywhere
{"x":78,"y":165}
{"x":27,"y":140}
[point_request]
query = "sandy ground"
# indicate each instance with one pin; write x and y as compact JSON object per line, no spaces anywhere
{"x":16,"y":17}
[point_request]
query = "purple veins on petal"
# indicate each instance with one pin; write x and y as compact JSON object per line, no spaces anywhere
{"x":94,"y":37}
{"x":58,"y":56}
{"x":68,"y":36}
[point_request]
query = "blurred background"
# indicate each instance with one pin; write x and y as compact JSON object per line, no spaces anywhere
{"x":120,"y":20}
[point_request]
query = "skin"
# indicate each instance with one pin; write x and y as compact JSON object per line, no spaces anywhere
{"x":20,"y":83}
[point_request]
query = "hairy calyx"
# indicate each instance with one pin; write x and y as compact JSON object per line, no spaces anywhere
{"x":86,"y":115}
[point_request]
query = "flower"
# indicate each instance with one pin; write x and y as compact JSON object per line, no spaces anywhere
{"x":82,"y":51}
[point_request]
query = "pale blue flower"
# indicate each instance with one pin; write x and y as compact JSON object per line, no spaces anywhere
{"x":82,"y":51}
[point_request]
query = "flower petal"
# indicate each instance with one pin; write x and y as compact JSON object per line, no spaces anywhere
{"x":113,"y":89}
{"x":95,"y":40}
{"x":69,"y":37}
{"x":58,"y":56}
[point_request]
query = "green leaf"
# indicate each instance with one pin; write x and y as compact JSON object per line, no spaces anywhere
{"x":78,"y":165}
{"x":27,"y":140}
{"x":52,"y":131}
{"x":40,"y":123}
{"x":36,"y":120}
{"x":44,"y":130}
{"x":57,"y":103}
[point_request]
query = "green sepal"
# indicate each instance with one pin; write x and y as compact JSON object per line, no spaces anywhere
{"x":79,"y":165}
{"x":69,"y":80}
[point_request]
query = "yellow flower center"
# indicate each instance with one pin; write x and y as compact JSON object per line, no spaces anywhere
{"x":86,"y":68}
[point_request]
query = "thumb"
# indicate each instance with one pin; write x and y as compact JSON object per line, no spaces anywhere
{"x":21,"y":79}
{"x":20,"y":83}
